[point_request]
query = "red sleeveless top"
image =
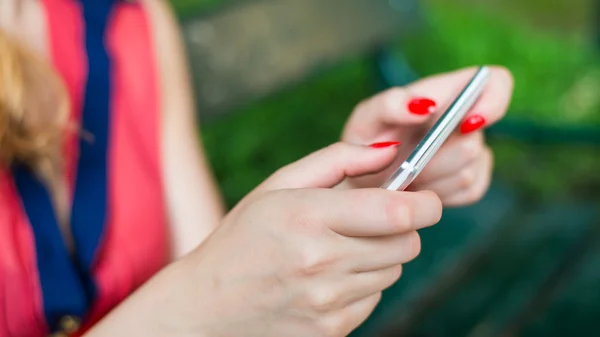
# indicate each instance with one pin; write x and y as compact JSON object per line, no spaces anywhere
{"x":103,"y":51}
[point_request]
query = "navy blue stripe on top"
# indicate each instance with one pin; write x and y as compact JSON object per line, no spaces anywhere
{"x":90,"y":198}
{"x":66,"y":281}
{"x":62,"y":290}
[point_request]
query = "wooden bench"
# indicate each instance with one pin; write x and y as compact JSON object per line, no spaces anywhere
{"x":497,"y":268}
{"x":254,"y":48}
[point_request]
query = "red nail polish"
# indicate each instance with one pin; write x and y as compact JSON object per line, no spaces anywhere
{"x":384,"y":145}
{"x":421,"y":106}
{"x":472,"y":123}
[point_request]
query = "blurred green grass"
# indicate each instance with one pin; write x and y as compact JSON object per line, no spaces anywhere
{"x":557,"y":80}
{"x":188,"y":8}
{"x":548,"y":69}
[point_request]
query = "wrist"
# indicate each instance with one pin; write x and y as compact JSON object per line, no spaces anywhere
{"x":155,"y":310}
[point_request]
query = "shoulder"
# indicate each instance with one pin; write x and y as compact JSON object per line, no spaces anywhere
{"x":171,"y":58}
{"x":165,"y":29}
{"x":161,"y":15}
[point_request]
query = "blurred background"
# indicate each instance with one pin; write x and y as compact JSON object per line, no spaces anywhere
{"x":276,"y":80}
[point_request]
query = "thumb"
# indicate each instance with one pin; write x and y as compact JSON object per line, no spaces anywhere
{"x":329,"y":166}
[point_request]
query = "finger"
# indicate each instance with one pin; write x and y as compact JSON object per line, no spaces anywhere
{"x":474,"y":193}
{"x":343,"y":322}
{"x":366,"y":284}
{"x":462,"y":179}
{"x":378,"y":253}
{"x":369,"y":212}
{"x":492,"y":104}
{"x":457,"y":153}
{"x":355,"y":213}
{"x":329,"y":166}
{"x":348,"y":288}
{"x":495,"y":99}
{"x":374,"y":116}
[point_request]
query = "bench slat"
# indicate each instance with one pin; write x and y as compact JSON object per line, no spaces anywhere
{"x":495,"y":293}
{"x":574,"y":310}
{"x":252,"y":49}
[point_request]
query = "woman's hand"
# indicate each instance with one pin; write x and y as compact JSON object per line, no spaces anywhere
{"x":460,"y":172}
{"x":296,"y":258}
{"x":299,"y":259}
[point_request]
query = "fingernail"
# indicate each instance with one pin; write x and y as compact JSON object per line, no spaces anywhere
{"x":384,"y":145}
{"x":421,"y":106}
{"x":473,"y":123}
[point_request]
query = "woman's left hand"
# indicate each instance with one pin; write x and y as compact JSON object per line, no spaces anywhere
{"x":460,"y":172}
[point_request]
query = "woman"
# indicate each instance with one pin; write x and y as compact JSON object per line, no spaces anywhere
{"x":105,"y":188}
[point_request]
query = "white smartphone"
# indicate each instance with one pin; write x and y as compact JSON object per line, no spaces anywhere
{"x":439,"y":133}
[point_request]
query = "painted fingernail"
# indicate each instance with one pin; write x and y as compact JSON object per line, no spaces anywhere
{"x":472,"y":123}
{"x":384,"y":145}
{"x":421,"y":106}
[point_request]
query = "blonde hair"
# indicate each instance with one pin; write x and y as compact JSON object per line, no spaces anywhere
{"x":33,"y":109}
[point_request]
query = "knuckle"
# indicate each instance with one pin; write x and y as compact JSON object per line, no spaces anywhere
{"x":466,"y":178}
{"x":339,"y":153}
{"x":392,"y":99}
{"x":436,"y":205}
{"x":394,"y":275}
{"x":398,"y":272}
{"x":473,"y":195}
{"x":414,"y":245}
{"x":311,"y":262}
{"x":376,"y":299}
{"x":470,"y":150}
{"x":399,"y":214}
{"x":323,"y":300}
{"x":437,"y":211}
{"x":310,"y":257}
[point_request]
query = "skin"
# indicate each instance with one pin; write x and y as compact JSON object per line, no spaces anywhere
{"x":293,"y":258}
{"x":330,"y":251}
{"x":460,"y":172}
{"x":184,"y":163}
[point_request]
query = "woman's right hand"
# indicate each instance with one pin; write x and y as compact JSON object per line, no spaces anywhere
{"x":297,"y":258}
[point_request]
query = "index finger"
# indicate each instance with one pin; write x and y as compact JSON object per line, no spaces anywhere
{"x":370,"y":212}
{"x":492,"y":104}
